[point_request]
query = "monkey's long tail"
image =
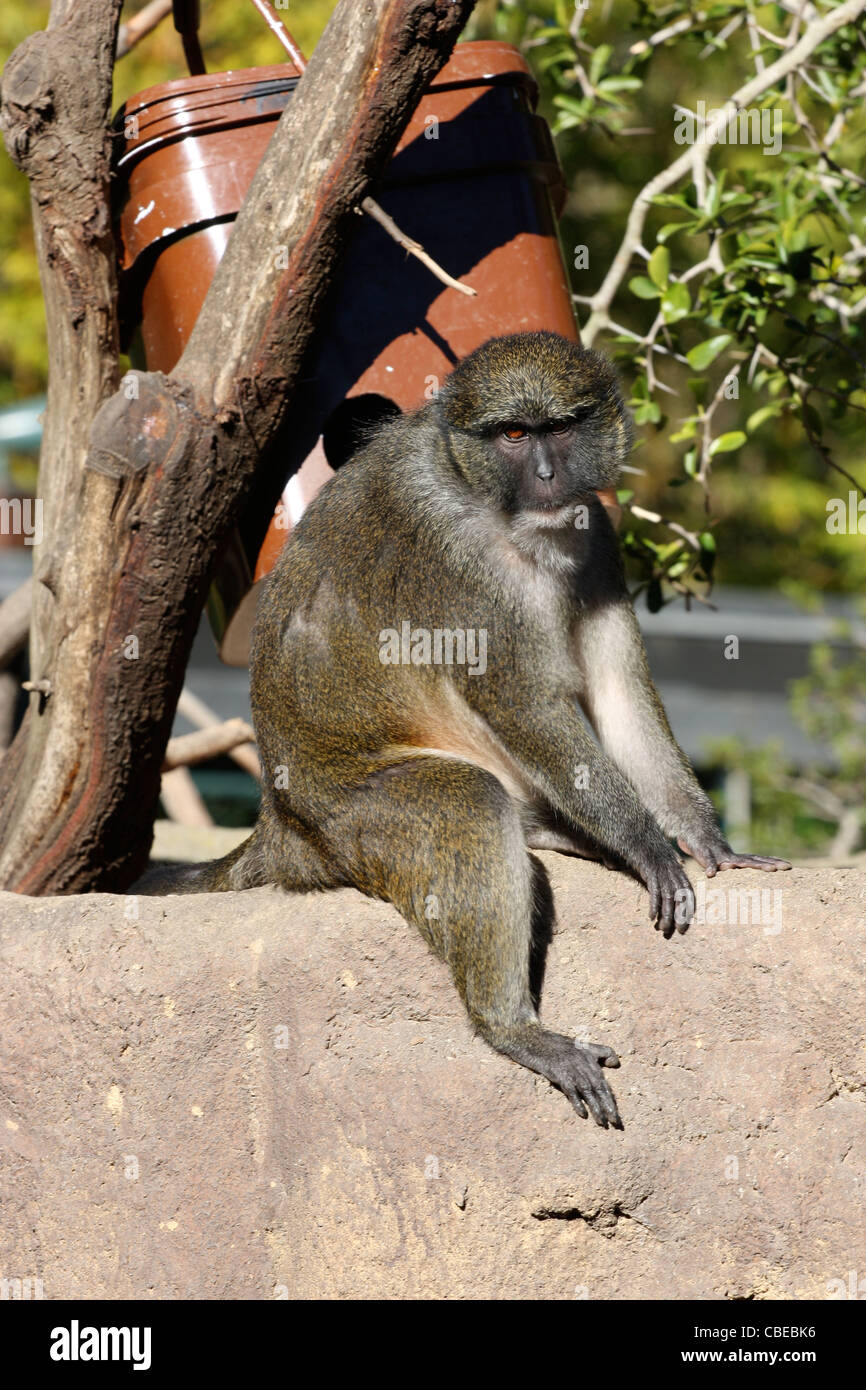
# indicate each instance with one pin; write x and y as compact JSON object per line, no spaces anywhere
{"x":242,"y":867}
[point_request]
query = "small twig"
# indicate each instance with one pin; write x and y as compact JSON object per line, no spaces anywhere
{"x":200,"y":714}
{"x":182,"y":800}
{"x":42,"y":688}
{"x":187,"y":749}
{"x":681,"y":26}
{"x":822,"y":797}
{"x":413,"y":247}
{"x":135,"y":28}
{"x":755,"y":41}
{"x":369,"y":205}
{"x":280,"y":31}
{"x":643,"y":514}
{"x":722,"y":36}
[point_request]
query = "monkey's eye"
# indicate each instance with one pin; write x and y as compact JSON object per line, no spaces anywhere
{"x":560,"y":426}
{"x":514,"y":432}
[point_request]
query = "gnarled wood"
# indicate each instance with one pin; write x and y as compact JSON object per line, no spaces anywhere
{"x":135,"y":528}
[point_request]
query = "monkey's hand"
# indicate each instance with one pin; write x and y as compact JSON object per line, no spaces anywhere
{"x":672,"y":898}
{"x":576,"y":1069}
{"x":713,"y":858}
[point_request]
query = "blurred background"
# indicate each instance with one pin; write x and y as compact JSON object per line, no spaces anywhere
{"x":775,"y":723}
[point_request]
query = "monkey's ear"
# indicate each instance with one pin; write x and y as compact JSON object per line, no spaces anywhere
{"x":608,"y":499}
{"x":353,"y":423}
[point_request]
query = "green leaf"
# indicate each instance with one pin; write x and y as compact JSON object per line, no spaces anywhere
{"x":707,"y":352}
{"x":671,"y":228}
{"x":673,"y":200}
{"x":726,"y":443}
{"x":688,"y":430}
{"x":648,"y":414}
{"x":676,"y":303}
{"x":643,"y":288}
{"x":690,"y":462}
{"x":659,"y":266}
{"x":569,"y":103}
{"x":760,"y":417}
{"x":599,"y":61}
{"x":619,"y":84}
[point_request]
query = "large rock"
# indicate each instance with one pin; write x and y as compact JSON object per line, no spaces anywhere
{"x":252,"y":1095}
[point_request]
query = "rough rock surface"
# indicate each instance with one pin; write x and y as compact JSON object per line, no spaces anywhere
{"x":252,"y":1095}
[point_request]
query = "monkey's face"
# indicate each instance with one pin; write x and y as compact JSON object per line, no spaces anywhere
{"x":535,"y":422}
{"x":538,"y":464}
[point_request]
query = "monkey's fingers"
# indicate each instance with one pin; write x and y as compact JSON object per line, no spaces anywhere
{"x":603,"y":1098}
{"x":655,"y":907}
{"x":677,"y":909}
{"x":587,"y":1085}
{"x":605,"y":1056}
{"x":666,"y":921}
{"x":705,"y":857}
{"x":686,"y":907}
{"x":753,"y":861}
{"x":599,"y":1099}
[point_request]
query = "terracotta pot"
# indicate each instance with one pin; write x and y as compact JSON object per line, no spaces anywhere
{"x":475,"y":179}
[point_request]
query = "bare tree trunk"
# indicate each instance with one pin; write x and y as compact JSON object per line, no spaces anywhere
{"x":849,"y":833}
{"x":137,"y":509}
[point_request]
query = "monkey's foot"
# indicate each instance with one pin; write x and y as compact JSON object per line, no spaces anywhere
{"x":576,"y":1070}
{"x":713,"y":861}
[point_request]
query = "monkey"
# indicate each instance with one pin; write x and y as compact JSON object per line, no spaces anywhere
{"x":447,"y":673}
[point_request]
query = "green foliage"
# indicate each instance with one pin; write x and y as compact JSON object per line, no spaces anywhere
{"x":23,"y":358}
{"x":738,"y":319}
{"x":821,"y":807}
{"x":781,"y":821}
{"x":830,"y":706}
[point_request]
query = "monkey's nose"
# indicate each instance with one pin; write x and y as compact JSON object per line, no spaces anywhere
{"x":544,"y":471}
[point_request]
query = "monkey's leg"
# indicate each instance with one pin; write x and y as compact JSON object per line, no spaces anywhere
{"x":273,"y":853}
{"x":443,"y":841}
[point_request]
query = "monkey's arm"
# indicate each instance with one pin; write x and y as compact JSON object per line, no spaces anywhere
{"x":623,"y":705}
{"x":565,"y":766}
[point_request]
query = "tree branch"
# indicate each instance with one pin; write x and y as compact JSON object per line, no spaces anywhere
{"x":187,"y":749}
{"x":133,"y":30}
